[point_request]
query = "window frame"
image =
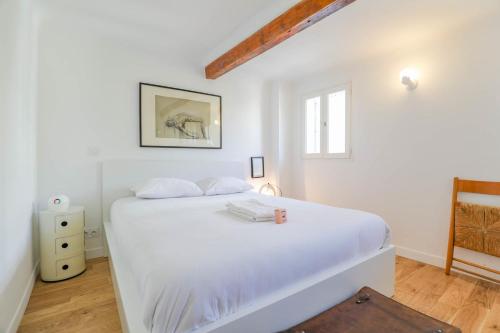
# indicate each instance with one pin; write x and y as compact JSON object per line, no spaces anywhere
{"x":325,"y":123}
{"x":304,"y":126}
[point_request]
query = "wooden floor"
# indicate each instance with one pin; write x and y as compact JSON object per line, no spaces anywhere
{"x":468,"y":303}
{"x":87,"y":304}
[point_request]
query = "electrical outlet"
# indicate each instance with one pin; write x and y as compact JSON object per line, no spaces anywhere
{"x":91,"y":232}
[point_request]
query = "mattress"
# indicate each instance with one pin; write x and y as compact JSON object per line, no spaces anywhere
{"x":195,"y":263}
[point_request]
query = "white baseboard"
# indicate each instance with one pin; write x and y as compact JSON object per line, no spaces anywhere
{"x":21,"y":307}
{"x":427,"y":258}
{"x":438,"y":261}
{"x":95,"y":252}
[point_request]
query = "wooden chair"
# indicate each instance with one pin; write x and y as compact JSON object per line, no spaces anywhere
{"x":474,"y":227}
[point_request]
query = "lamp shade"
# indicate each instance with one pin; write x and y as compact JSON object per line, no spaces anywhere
{"x":270,"y":189}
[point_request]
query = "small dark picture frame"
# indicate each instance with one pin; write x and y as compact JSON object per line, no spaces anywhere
{"x":257,"y":165}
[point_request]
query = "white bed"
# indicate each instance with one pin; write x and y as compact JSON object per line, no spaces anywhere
{"x":184,"y":265}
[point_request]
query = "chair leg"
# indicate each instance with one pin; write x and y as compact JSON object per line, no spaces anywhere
{"x":449,"y":259}
{"x":451,"y":235}
{"x":451,"y":249}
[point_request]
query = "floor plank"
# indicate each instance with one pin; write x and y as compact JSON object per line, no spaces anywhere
{"x":87,"y":304}
{"x":484,"y":294}
{"x":492,"y":322}
{"x":443,"y":311}
{"x":458,"y":291}
{"x":470,"y":318}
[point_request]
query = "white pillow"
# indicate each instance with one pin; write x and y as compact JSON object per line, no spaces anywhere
{"x":223,"y":185}
{"x":159,"y":188}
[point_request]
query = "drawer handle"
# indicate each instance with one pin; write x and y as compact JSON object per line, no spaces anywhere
{"x":64,"y":245}
{"x":64,"y":223}
{"x":65,"y":267}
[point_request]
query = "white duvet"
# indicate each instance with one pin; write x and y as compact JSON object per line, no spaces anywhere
{"x":195,"y":263}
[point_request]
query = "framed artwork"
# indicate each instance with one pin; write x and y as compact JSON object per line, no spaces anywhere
{"x":178,"y":118}
{"x":257,"y":165}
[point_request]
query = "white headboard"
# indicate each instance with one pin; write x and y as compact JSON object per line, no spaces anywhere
{"x":119,"y":175}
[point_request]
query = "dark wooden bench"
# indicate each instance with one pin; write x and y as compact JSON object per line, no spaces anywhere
{"x":371,"y":312}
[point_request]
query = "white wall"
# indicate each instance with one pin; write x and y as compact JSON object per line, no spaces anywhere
{"x":17,"y":162}
{"x":89,"y":109}
{"x":407,"y":146}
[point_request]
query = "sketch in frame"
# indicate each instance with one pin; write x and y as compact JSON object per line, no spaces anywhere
{"x":257,"y":166}
{"x":178,"y":118}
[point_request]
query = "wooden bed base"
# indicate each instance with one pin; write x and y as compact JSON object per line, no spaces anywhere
{"x":275,"y":312}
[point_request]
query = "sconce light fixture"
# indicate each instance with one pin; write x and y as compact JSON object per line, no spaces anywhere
{"x":409,"y":78}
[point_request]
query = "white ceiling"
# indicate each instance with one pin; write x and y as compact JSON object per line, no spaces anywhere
{"x":200,"y":30}
{"x":369,"y":28}
{"x":190,"y":28}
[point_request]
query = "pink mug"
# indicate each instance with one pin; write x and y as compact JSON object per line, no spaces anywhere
{"x":279,"y":216}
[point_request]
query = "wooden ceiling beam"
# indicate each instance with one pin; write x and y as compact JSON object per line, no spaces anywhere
{"x":297,"y":18}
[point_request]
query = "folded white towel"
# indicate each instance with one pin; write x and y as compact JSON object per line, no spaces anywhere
{"x":250,"y":218}
{"x":252,"y":208}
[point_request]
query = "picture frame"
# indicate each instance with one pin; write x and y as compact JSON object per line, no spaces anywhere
{"x":257,"y":166}
{"x":179,"y":118}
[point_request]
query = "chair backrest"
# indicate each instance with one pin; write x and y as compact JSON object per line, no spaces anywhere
{"x":474,"y":227}
{"x":477,"y":227}
{"x":477,"y":186}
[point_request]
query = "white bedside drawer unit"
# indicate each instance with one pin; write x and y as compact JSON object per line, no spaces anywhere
{"x":69,"y":267}
{"x":69,"y":246}
{"x":62,"y":244}
{"x":68,"y":224}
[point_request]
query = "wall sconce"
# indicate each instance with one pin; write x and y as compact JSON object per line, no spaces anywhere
{"x":409,"y":78}
{"x":270,"y":189}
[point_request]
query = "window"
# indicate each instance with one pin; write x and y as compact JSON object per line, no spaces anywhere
{"x":313,"y":125}
{"x":337,"y":122}
{"x":327,"y":123}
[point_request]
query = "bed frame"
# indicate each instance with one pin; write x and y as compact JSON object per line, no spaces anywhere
{"x":275,"y":312}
